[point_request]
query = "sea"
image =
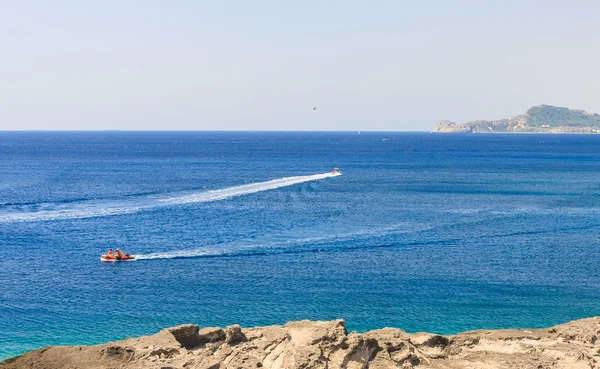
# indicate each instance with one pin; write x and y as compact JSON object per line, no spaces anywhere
{"x":425,"y":232}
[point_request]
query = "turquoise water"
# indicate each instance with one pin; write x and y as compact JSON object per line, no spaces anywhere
{"x":426,"y":232}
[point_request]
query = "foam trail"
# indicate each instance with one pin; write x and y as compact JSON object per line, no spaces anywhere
{"x":226,"y":193}
{"x":100,"y":208}
{"x":254,"y":247}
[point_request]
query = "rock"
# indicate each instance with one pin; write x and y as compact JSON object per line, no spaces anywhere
{"x":319,"y":345}
{"x":213,"y":365}
{"x":207,"y":335}
{"x":186,"y":335}
{"x":118,"y":352}
{"x":234,"y":335}
{"x":165,"y":353}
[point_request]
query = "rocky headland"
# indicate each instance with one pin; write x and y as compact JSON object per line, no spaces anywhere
{"x":327,"y":345}
{"x":538,"y":119}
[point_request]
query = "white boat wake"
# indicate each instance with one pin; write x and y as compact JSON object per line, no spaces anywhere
{"x":101,"y":208}
{"x":246,"y":189}
{"x":292,"y":245}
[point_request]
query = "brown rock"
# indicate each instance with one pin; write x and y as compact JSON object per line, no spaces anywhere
{"x":234,"y":335}
{"x":186,"y":335}
{"x":207,"y":335}
{"x":312,"y":345}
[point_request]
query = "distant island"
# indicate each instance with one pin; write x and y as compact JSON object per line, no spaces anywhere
{"x":538,"y":119}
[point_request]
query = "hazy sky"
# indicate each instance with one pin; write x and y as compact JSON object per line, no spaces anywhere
{"x":262,"y":65}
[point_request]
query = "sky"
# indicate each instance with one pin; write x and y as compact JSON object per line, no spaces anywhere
{"x":263,"y":65}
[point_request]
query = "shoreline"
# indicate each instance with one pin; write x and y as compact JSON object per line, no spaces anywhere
{"x":517,"y":133}
{"x":327,"y":344}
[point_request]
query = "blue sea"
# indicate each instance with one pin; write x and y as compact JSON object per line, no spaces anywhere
{"x":425,"y":232}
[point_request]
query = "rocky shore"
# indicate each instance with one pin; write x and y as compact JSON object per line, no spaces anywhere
{"x":327,"y":345}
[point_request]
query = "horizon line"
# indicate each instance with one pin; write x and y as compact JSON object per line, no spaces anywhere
{"x":203,"y":130}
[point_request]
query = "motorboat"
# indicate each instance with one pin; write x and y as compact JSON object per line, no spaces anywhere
{"x":118,"y":256}
{"x":126,"y":257}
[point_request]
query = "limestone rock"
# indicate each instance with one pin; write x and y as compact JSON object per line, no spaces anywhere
{"x":327,"y":345}
{"x":234,"y":335}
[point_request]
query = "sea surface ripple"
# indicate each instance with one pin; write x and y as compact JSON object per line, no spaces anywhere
{"x":426,"y":232}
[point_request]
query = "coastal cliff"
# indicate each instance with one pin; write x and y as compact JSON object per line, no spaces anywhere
{"x":538,"y":119}
{"x":327,"y":345}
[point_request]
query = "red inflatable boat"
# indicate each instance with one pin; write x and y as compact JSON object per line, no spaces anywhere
{"x":118,"y":256}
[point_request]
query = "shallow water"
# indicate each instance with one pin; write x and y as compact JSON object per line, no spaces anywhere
{"x":423,"y":231}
